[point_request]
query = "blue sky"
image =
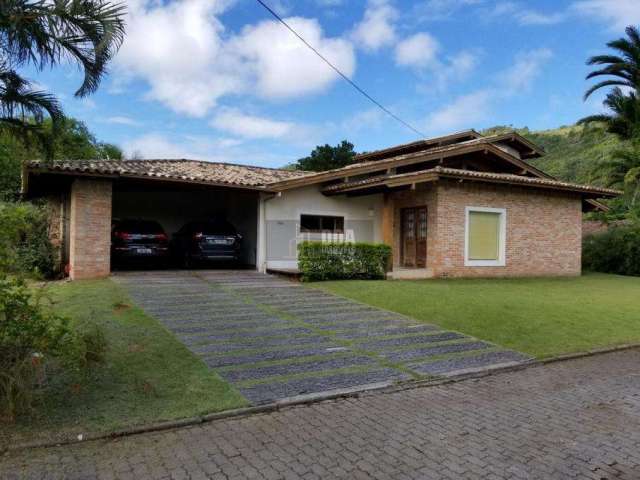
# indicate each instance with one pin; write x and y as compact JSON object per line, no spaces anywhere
{"x":221,"y":80}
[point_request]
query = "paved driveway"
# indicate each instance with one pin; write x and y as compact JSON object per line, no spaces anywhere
{"x":571,"y":420}
{"x":274,"y":339}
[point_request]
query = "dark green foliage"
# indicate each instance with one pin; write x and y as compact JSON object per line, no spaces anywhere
{"x":73,"y":141}
{"x":624,"y":121}
{"x":25,"y":247}
{"x":326,"y":157}
{"x":333,"y":261}
{"x":31,"y":339}
{"x":617,"y":250}
{"x":621,"y":69}
{"x":571,"y":152}
{"x":41,"y":34}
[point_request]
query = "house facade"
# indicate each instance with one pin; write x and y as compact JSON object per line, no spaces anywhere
{"x":461,"y":205}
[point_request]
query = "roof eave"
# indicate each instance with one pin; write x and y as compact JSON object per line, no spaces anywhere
{"x":74,"y":173}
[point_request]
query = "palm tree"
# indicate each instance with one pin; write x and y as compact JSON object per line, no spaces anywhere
{"x":624,"y":68}
{"x":625,"y":118}
{"x":43,"y":34}
{"x":622,"y":170}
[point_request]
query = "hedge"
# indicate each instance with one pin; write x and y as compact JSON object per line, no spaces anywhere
{"x":616,"y":250}
{"x":336,"y":261}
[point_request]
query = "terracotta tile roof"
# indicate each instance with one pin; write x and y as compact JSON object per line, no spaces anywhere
{"x":439,"y":172}
{"x":487,"y":142}
{"x":178,"y":170}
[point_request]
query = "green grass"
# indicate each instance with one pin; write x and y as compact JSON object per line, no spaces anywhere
{"x":542,"y":317}
{"x":147,"y":376}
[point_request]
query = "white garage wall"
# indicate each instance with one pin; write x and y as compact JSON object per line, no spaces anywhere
{"x":282,"y":218}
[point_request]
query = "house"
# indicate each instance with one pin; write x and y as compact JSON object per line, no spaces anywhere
{"x":460,"y":205}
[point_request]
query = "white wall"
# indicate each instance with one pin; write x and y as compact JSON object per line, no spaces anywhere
{"x":281,"y":214}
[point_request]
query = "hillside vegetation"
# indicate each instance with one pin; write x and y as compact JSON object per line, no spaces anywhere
{"x":572,"y":152}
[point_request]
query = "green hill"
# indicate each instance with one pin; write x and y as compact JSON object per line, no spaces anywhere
{"x":571,"y":151}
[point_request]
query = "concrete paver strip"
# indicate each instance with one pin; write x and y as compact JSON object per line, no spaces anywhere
{"x":578,"y":419}
{"x":236,"y":319}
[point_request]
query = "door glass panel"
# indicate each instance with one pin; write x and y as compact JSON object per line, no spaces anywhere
{"x":422,"y":224}
{"x":409,"y":227}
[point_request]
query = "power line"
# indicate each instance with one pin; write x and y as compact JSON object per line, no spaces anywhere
{"x":337,"y":70}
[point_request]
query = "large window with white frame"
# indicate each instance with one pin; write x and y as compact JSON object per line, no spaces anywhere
{"x":485,"y":237}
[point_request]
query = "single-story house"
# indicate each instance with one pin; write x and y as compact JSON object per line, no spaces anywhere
{"x":460,"y":205}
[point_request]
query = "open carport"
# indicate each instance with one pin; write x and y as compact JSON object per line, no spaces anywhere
{"x":174,"y":205}
{"x":85,"y":197}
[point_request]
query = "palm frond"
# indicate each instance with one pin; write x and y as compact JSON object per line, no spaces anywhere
{"x":44,"y":32}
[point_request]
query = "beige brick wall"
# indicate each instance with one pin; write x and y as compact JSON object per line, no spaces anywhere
{"x":90,"y":228}
{"x":543,"y":229}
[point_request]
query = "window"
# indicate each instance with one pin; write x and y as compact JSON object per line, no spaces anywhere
{"x":321,"y":224}
{"x":485,"y":237}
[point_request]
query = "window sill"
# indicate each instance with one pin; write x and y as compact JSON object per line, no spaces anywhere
{"x":484,"y":263}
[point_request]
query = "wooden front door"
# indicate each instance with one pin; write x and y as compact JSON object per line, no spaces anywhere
{"x":414,"y":237}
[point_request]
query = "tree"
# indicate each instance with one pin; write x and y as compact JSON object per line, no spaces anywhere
{"x":622,"y":170}
{"x":625,"y":118}
{"x":42,"y":34}
{"x":623,"y":71}
{"x":326,"y":157}
{"x":73,"y":141}
{"x":624,"y":68}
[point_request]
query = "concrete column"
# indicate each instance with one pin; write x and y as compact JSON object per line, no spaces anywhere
{"x":90,"y":229}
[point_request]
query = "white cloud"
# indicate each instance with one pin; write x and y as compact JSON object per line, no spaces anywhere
{"x":155,"y":145}
{"x":282,"y":66}
{"x":617,"y":13}
{"x":528,"y":65}
{"x":462,"y":113}
{"x":249,"y":126}
{"x":228,"y":150}
{"x":417,"y":51}
{"x":467,"y":110}
{"x":523,"y":15}
{"x":182,"y":51}
{"x":531,"y":17}
{"x":122,"y":120}
{"x":377,"y":28}
{"x":440,"y":9}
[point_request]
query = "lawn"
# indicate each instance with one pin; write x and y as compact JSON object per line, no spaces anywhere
{"x":147,"y":376}
{"x":542,"y":317}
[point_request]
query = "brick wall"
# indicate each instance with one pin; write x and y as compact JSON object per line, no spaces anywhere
{"x":423,"y":196}
{"x":90,"y":229}
{"x":543,"y":230}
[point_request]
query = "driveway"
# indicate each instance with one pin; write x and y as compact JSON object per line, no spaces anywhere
{"x":578,"y":419}
{"x":275,"y":339}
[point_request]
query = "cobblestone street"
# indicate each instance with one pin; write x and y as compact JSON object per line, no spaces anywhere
{"x":575,"y":419}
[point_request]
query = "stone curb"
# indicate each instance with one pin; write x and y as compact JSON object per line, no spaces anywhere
{"x":362,"y":390}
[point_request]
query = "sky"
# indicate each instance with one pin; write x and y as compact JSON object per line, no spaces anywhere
{"x":221,"y":80}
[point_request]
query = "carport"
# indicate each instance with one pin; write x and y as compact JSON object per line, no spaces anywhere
{"x":85,"y":197}
{"x":175,"y":204}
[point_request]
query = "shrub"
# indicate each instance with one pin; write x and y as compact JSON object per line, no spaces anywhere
{"x":32,"y":338}
{"x":616,"y":250}
{"x":331,"y":261}
{"x":24,"y":239}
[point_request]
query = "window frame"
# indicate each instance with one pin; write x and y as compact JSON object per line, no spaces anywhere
{"x":502,"y":238}
{"x":320,"y":215}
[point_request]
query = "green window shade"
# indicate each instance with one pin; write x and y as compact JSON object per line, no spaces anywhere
{"x":484,"y":235}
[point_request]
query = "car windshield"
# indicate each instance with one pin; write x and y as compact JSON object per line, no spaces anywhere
{"x":139,"y":226}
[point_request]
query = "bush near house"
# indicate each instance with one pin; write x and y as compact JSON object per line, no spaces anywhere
{"x":25,"y":247}
{"x":33,"y":339}
{"x":616,"y":250}
{"x":333,"y":261}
